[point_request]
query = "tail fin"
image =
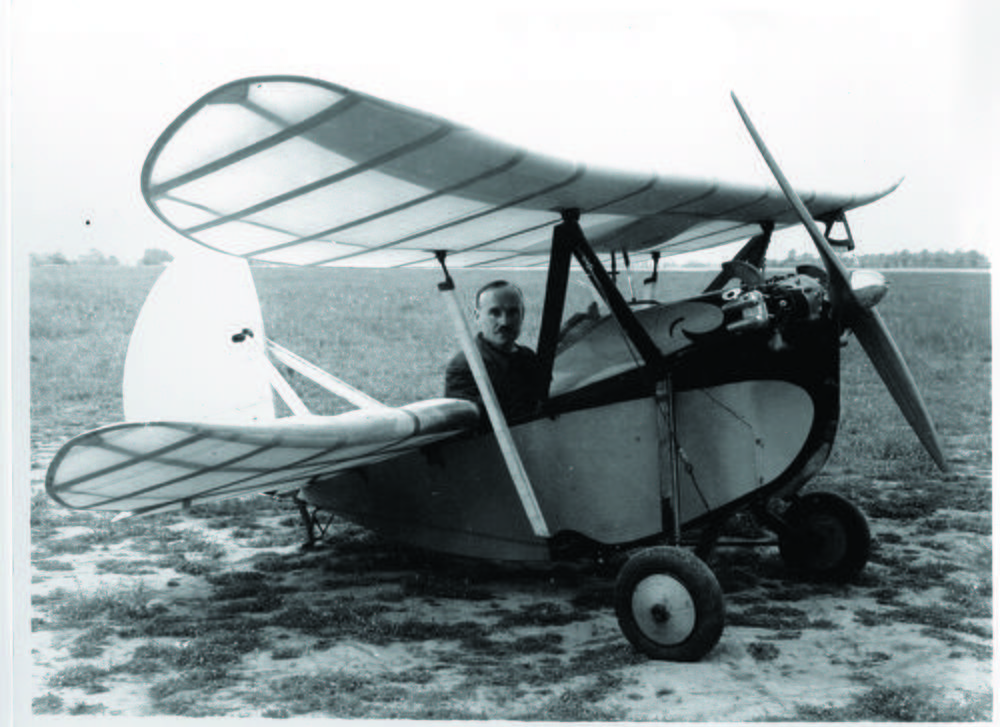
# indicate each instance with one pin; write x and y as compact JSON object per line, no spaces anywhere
{"x":197,"y":350}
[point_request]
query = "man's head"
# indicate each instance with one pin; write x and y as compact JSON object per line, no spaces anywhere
{"x":500,"y":312}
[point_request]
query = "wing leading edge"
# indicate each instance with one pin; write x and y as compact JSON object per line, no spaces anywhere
{"x":293,"y":170}
{"x":141,"y":467}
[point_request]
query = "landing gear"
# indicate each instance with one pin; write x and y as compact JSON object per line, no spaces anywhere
{"x":314,"y":525}
{"x":826,"y":537}
{"x":669,"y":604}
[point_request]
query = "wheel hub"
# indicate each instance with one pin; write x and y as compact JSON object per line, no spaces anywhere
{"x":664,"y":609}
{"x":660,"y":613}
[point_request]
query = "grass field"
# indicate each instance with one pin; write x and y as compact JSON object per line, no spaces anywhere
{"x":219,"y":613}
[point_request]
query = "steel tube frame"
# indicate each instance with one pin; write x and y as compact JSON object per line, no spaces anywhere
{"x":569,"y":241}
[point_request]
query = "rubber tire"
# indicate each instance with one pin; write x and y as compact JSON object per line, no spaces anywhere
{"x":828,"y":538}
{"x":701,"y":609}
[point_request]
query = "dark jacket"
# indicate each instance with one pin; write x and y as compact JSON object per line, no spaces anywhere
{"x":516,"y":377}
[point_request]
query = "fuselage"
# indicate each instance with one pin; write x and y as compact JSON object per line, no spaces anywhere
{"x":752,"y":407}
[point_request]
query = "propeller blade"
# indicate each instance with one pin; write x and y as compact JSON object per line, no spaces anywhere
{"x":840,"y":286}
{"x":866,"y":323}
{"x":872,"y":334}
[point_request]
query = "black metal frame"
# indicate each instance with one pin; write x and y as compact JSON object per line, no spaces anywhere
{"x":568,"y":242}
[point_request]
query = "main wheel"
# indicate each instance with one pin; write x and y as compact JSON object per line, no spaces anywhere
{"x":669,"y":604}
{"x":827,"y":537}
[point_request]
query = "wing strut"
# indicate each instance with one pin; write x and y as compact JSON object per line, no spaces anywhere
{"x":321,"y":378}
{"x":278,"y":383}
{"x":507,"y":446}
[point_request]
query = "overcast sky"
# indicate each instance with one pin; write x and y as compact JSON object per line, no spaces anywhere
{"x":850,"y":95}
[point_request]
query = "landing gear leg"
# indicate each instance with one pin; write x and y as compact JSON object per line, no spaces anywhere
{"x":708,"y":539}
{"x":315,"y":529}
{"x":309,"y":523}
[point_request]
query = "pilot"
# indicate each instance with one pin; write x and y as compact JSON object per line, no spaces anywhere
{"x":514,"y":370}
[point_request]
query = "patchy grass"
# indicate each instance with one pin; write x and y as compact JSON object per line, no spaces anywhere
{"x":124,"y":604}
{"x":81,"y":676}
{"x":907,"y":703}
{"x":48,"y":704}
{"x":85,"y":708}
{"x":763,"y":651}
{"x":581,"y":704}
{"x":52,"y":565}
{"x":151,"y":657}
{"x":91,"y":643}
{"x":544,"y":613}
{"x":123,"y":566}
{"x":343,"y":695}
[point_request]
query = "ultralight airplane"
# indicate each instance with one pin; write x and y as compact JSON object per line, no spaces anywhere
{"x":661,"y":420}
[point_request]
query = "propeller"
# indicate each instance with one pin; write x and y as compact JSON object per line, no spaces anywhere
{"x":866,"y":322}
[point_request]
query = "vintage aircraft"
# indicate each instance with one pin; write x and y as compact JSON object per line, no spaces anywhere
{"x":661,"y":421}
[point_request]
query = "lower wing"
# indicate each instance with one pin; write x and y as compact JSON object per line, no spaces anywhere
{"x":143,"y":467}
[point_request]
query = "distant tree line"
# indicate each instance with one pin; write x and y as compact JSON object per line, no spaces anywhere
{"x":903,"y":259}
{"x":152,"y":256}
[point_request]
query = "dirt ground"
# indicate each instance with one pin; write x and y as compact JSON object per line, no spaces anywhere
{"x":224,"y":615}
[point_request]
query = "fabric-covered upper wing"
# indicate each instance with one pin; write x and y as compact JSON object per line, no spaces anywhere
{"x":154,"y":467}
{"x":293,"y":170}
